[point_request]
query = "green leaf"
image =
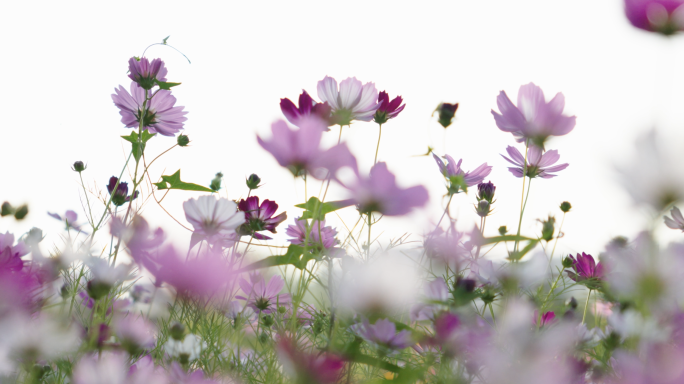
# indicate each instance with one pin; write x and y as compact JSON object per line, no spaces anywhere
{"x":521,"y":253}
{"x":498,"y":239}
{"x":165,"y":85}
{"x":315,"y":209}
{"x":138,"y":143}
{"x":174,"y":182}
{"x":294,"y":256}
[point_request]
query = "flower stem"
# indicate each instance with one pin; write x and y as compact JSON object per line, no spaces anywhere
{"x":369,"y":237}
{"x":584,"y":315}
{"x":515,"y":248}
{"x":556,"y":242}
{"x":377,"y":148}
{"x":522,"y":211}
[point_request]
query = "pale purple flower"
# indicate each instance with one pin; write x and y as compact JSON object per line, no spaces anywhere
{"x":137,"y":236}
{"x":161,"y":116}
{"x":261,"y":296}
{"x":452,"y":168}
{"x":384,"y":334}
{"x":533,"y":119}
{"x":677,"y":220}
{"x":299,"y":149}
{"x":109,"y":368}
{"x":145,"y":372}
{"x":212,"y":219}
{"x":307,"y":107}
{"x":104,"y":273}
{"x":259,"y":217}
{"x":388,"y":109}
{"x":10,"y":253}
{"x":538,"y":164}
{"x":70,"y":219}
{"x":380,"y":193}
{"x":436,"y":296}
{"x":319,"y":234}
{"x":662,"y":16}
{"x":353,"y":101}
{"x":449,"y":248}
{"x":134,"y":332}
{"x":145,"y":73}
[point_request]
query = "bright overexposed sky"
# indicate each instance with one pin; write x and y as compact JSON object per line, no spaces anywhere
{"x":62,"y":61}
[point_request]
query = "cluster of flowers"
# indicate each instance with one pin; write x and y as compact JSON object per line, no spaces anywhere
{"x":340,"y":309}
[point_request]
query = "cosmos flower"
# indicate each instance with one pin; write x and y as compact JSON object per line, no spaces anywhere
{"x":307,"y":107}
{"x":353,"y":101}
{"x":70,"y":219}
{"x":662,"y":16}
{"x":134,"y":332}
{"x":319,"y":234}
{"x":452,"y":168}
{"x":533,"y":119}
{"x":379,"y":193}
{"x":309,"y":368}
{"x":10,"y":253}
{"x":212,"y":219}
{"x":259,"y":217}
{"x":109,"y":368}
{"x":388,"y":109}
{"x":547,"y":318}
{"x":538,"y":164}
{"x":677,"y":220}
{"x":383,"y":334}
{"x":435,"y":292}
{"x":161,"y":116}
{"x":120,"y":196}
{"x":299,"y":150}
{"x":585,"y":268}
{"x":186,"y":350}
{"x":263,"y":297}
{"x":145,"y":73}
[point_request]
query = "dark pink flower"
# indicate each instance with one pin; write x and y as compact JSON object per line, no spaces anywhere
{"x":585,"y":268}
{"x":547,"y":318}
{"x":120,"y":196}
{"x":662,"y":16}
{"x":261,"y":296}
{"x":380,"y":193}
{"x":10,"y":253}
{"x":259,"y":217}
{"x":309,"y":368}
{"x":161,"y":115}
{"x":145,"y":73}
{"x":538,"y":164}
{"x":307,"y":107}
{"x":533,"y":119}
{"x":388,"y":109}
{"x":299,"y":150}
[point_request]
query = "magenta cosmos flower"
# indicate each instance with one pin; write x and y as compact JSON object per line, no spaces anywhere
{"x":212,"y":219}
{"x":259,"y":217}
{"x":383,"y":334}
{"x":538,"y":164}
{"x":677,"y":220}
{"x":452,"y":168}
{"x":547,"y":318}
{"x":10,"y":253}
{"x":261,"y":296}
{"x":662,"y":16}
{"x":299,"y":149}
{"x":307,"y":107}
{"x":145,"y":73}
{"x":585,"y":268}
{"x":380,"y":193}
{"x":353,"y":101}
{"x":533,"y":119}
{"x":388,"y":109}
{"x":161,"y":116}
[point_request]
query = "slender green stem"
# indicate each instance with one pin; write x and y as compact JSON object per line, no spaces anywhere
{"x":377,"y":148}
{"x":556,"y":242}
{"x":369,"y":236}
{"x":584,"y":315}
{"x":553,"y":287}
{"x":515,"y":248}
{"x":522,"y":211}
{"x":90,"y":212}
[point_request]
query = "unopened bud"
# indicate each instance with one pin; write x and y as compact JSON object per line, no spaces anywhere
{"x":6,"y":209}
{"x":446,"y":113}
{"x":565,"y":207}
{"x":183,"y":140}
{"x":253,"y":181}
{"x":482,"y":208}
{"x":548,"y":228}
{"x":282,"y":310}
{"x":572,"y":303}
{"x":467,"y":285}
{"x":485,"y":191}
{"x":216,"y":182}
{"x":21,"y":212}
{"x":567,"y":262}
{"x":503,"y":230}
{"x":267,"y":321}
{"x":97,"y":290}
{"x":177,"y":331}
{"x":79,"y":167}
{"x":263,"y":338}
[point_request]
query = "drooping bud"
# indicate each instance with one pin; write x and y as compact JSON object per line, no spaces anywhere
{"x":21,"y":212}
{"x":216,"y":182}
{"x":183,"y":140}
{"x":548,"y":228}
{"x":446,"y":113}
{"x":6,"y":209}
{"x":567,"y":262}
{"x":482,"y":208}
{"x":119,"y":193}
{"x":503,"y":230}
{"x":177,"y":331}
{"x":485,"y":191}
{"x":565,"y":207}
{"x":253,"y":181}
{"x":79,"y":167}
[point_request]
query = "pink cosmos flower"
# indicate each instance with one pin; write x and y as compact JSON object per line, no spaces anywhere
{"x":212,"y":219}
{"x":261,"y":296}
{"x":538,"y":164}
{"x":586,"y":269}
{"x":161,"y":116}
{"x":145,"y":73}
{"x":677,"y":220}
{"x":137,"y":236}
{"x":70,"y":219}
{"x":547,"y":318}
{"x":134,"y":332}
{"x":319,"y":234}
{"x":309,"y":368}
{"x":383,"y":334}
{"x":259,"y":217}
{"x":388,"y":109}
{"x":452,"y":169}
{"x":533,"y":119}
{"x":299,"y":150}
{"x":307,"y":107}
{"x":10,"y":253}
{"x":353,"y":101}
{"x":662,"y":16}
{"x":380,"y":193}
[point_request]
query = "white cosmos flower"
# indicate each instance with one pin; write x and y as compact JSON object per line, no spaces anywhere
{"x":353,"y":101}
{"x":191,"y":347}
{"x":212,"y":219}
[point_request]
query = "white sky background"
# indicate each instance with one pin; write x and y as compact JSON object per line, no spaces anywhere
{"x":62,"y":61}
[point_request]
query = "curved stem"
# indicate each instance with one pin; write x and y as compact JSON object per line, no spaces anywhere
{"x":377,"y":148}
{"x":584,"y":315}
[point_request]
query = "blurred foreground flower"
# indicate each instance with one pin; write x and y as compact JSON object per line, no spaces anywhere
{"x":263,"y":297}
{"x":70,"y":219}
{"x":677,"y":220}
{"x":662,"y":16}
{"x":538,"y":164}
{"x":353,"y":101}
{"x":161,"y":116}
{"x":309,"y":368}
{"x":383,"y":334}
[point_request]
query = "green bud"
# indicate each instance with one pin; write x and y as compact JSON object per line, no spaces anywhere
{"x":503,"y":230}
{"x":282,"y":310}
{"x":216,"y":183}
{"x":317,"y":326}
{"x":263,"y":338}
{"x":446,"y":113}
{"x":183,"y":140}
{"x":21,"y":212}
{"x":565,"y":207}
{"x":253,"y":181}
{"x":6,"y":209}
{"x":97,"y":290}
{"x":567,"y":262}
{"x":177,"y":331}
{"x":482,"y":208}
{"x":548,"y":228}
{"x":79,"y":167}
{"x":488,"y":296}
{"x":267,"y":321}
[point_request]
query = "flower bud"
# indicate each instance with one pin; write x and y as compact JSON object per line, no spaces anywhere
{"x":263,"y":338}
{"x":6,"y":209}
{"x":485,"y":191}
{"x":467,"y":285}
{"x":567,"y":262}
{"x":267,"y":321}
{"x":488,"y":296}
{"x":572,"y":303}
{"x":548,"y":227}
{"x":317,"y":326}
{"x":282,"y":309}
{"x":565,"y":207}
{"x":253,"y":181}
{"x":21,"y":212}
{"x":482,"y":208}
{"x":446,"y":113}
{"x":79,"y":167}
{"x":183,"y":140}
{"x":177,"y":331}
{"x":503,"y":230}
{"x":216,"y":182}
{"x":97,"y":289}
